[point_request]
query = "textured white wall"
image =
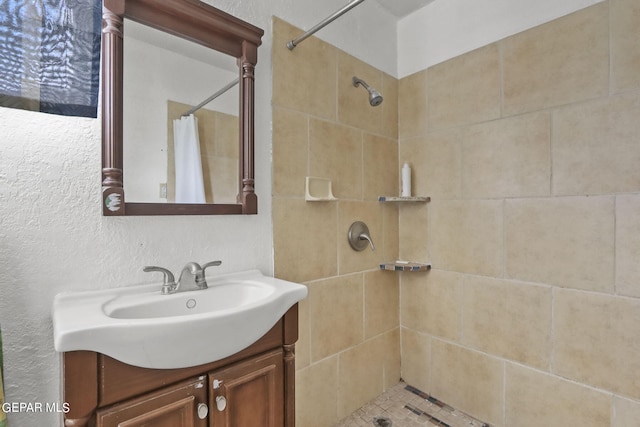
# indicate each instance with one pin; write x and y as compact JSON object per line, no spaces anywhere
{"x":53,"y":237}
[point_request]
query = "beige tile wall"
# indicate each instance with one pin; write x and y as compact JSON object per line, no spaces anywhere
{"x":453,"y":367}
{"x":624,"y":18}
{"x":536,"y":398}
{"x":349,"y":346}
{"x":625,"y":412}
{"x":530,"y":150}
{"x":561,"y":62}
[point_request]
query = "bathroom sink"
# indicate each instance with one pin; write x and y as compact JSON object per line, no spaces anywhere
{"x":228,"y":295}
{"x":141,"y":327}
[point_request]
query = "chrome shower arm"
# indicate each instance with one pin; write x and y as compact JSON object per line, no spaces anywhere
{"x":356,"y":81}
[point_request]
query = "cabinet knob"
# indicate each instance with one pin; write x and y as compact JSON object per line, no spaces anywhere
{"x":203,"y":410}
{"x":221,"y":403}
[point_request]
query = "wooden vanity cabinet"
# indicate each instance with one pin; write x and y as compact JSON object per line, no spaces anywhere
{"x":254,"y":387}
{"x":249,"y":393}
{"x":174,"y":406}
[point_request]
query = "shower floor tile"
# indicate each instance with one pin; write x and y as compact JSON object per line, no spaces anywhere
{"x":406,"y":406}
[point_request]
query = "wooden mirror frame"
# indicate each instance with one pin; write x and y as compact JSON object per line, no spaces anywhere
{"x":202,"y":24}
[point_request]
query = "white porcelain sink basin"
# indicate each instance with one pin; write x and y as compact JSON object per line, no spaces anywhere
{"x":139,"y":326}
{"x":226,"y":296}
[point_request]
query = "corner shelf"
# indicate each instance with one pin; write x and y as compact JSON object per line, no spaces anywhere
{"x":400,"y":266}
{"x":414,"y":199}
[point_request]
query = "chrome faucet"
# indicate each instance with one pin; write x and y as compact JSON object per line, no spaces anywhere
{"x":196,"y":272}
{"x":193,"y":269}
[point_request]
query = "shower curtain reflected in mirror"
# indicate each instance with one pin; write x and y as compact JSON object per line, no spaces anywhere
{"x":189,"y":181}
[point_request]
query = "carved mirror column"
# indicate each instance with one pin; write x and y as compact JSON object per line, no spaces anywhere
{"x":112,"y":49}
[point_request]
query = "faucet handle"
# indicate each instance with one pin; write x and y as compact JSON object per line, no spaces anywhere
{"x":210,"y":264}
{"x":365,"y":236}
{"x":358,"y":236}
{"x":201,"y":280}
{"x":169,"y":281}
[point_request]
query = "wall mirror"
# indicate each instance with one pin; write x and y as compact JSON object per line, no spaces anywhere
{"x":160,"y":59}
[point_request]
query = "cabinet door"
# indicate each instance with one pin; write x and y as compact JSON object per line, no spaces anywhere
{"x":180,"y":405}
{"x":249,"y":393}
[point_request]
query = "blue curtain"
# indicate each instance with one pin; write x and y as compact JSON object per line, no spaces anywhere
{"x":50,"y":55}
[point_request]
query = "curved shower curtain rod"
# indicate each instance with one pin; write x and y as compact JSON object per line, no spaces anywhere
{"x":293,"y":43}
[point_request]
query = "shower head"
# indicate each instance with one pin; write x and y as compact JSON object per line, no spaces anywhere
{"x":375,"y":97}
